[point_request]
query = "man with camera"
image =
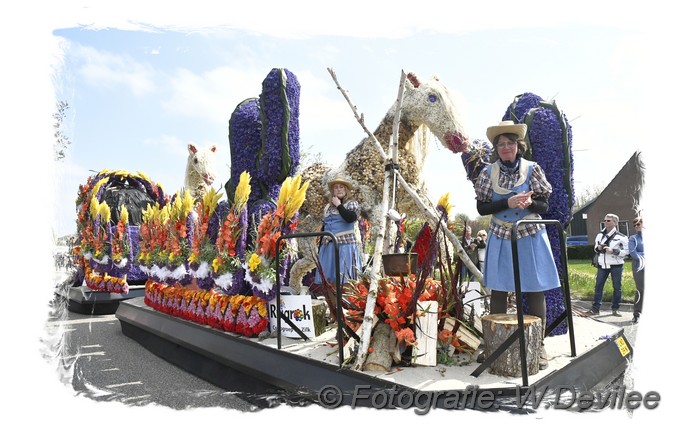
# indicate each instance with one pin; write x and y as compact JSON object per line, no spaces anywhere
{"x":611,"y":247}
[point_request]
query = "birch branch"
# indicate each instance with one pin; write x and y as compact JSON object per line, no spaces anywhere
{"x":359,"y":117}
{"x":367,"y":325}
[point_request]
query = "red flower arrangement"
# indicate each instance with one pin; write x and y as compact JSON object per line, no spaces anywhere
{"x":243,"y":315}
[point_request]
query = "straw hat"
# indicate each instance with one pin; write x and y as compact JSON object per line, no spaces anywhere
{"x":506,"y":126}
{"x":339,"y":179}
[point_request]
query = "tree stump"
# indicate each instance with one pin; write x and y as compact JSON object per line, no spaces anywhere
{"x":497,"y":328}
{"x":384,"y":345}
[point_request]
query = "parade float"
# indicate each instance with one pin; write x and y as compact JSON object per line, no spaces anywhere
{"x":109,"y":211}
{"x":225,"y":274}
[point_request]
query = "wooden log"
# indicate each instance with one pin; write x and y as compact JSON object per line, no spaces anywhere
{"x":497,"y":328}
{"x":426,"y":334}
{"x":383,"y":345}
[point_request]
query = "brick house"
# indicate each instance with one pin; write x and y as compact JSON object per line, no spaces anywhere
{"x":621,"y":197}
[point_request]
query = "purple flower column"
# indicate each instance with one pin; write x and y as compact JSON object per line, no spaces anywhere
{"x":279,"y":154}
{"x":245,"y":129}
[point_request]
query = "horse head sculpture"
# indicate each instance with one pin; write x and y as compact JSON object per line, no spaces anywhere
{"x":200,"y":170}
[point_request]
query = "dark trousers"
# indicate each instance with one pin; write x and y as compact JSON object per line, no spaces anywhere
{"x":616,"y":272}
{"x":639,"y":278}
{"x":535,"y":304}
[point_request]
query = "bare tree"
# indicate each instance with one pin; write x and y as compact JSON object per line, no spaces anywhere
{"x":61,"y":141}
{"x":586,"y":195}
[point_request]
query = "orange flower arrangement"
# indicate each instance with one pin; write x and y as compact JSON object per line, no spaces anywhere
{"x":203,"y":250}
{"x":391,"y":304}
{"x":231,"y":240}
{"x":260,"y":268}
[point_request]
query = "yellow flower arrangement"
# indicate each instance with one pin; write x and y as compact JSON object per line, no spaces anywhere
{"x":254,"y":262}
{"x":444,"y":205}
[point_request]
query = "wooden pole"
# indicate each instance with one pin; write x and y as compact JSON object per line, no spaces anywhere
{"x":394,"y":151}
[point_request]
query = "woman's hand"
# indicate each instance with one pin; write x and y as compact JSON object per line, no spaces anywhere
{"x":335,"y":201}
{"x":521,"y":200}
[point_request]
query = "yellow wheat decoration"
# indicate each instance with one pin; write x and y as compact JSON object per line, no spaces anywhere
{"x":292,"y":196}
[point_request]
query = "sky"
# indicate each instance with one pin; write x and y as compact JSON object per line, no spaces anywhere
{"x":137,"y":97}
{"x":143,"y":81}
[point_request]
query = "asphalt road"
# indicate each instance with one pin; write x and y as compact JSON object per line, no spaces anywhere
{"x":101,"y":363}
{"x":625,"y":321}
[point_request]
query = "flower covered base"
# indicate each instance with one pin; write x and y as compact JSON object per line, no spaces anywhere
{"x":243,"y":315}
{"x":105,"y":283}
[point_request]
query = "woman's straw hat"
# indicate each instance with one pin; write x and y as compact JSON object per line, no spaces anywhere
{"x":506,"y":126}
{"x":339,"y":179}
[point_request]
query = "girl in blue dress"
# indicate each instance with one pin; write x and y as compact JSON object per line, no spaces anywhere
{"x":510,"y":189}
{"x":340,"y":218}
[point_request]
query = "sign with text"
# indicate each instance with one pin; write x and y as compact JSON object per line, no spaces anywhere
{"x":296,"y":308}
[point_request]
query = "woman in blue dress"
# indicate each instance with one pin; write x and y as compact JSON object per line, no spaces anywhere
{"x":340,"y":217}
{"x":510,"y":189}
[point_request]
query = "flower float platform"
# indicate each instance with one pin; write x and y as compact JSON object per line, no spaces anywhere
{"x":306,"y":368}
{"x":83,"y":300}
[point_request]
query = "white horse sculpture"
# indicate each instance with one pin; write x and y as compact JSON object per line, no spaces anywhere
{"x":426,"y":107}
{"x":200,"y":170}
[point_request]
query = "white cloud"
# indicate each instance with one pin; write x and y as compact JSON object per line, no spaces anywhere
{"x":104,"y":70}
{"x":214,"y":94}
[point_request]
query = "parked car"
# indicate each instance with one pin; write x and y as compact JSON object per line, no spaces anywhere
{"x":577,"y":240}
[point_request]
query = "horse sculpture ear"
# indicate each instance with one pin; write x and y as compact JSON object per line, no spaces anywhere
{"x":412,"y":81}
{"x":192,"y":148}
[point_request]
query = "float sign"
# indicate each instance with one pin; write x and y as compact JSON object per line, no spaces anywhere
{"x":297,"y":308}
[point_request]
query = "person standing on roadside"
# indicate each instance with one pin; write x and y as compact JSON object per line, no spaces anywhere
{"x":481,"y":249}
{"x":637,"y":252}
{"x":470,"y":246}
{"x":612,"y":248}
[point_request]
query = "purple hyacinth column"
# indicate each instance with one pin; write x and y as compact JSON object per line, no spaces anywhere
{"x":280,"y":105}
{"x":245,"y":129}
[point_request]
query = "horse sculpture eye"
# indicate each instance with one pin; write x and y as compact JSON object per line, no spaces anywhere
{"x":195,"y":160}
{"x":433,"y":98}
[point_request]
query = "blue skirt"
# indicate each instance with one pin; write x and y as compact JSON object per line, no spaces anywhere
{"x":349,"y":257}
{"x":536,"y":264}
